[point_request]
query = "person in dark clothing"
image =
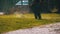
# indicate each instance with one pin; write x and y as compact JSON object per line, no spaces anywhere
{"x":36,"y":7}
{"x":58,"y":6}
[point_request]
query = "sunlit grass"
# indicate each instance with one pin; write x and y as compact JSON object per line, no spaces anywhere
{"x":14,"y":22}
{"x":44,"y":16}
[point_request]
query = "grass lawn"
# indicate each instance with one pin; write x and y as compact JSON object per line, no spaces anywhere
{"x":12,"y":22}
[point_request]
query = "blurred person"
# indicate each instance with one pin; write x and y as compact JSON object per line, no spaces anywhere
{"x":36,"y":8}
{"x":58,"y":6}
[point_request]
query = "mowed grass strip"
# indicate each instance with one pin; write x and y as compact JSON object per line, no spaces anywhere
{"x":10,"y":23}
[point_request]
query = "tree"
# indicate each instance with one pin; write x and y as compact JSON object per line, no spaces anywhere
{"x":7,"y":4}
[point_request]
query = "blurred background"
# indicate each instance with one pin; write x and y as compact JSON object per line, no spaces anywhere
{"x":17,"y":14}
{"x":11,"y":6}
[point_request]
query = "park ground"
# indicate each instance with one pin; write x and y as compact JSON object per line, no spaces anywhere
{"x":23,"y":21}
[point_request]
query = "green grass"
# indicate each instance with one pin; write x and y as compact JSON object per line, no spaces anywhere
{"x":11,"y":22}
